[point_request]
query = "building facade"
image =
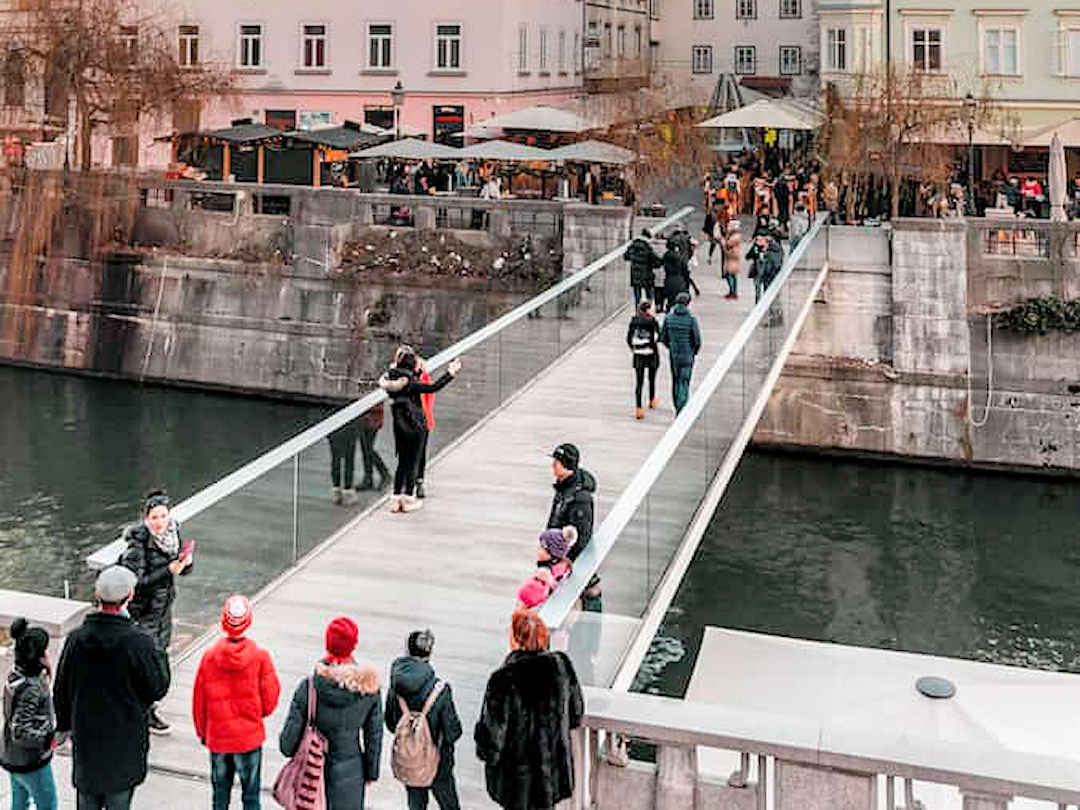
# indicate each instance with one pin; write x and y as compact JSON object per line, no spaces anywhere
{"x":770,"y":44}
{"x":617,"y":45}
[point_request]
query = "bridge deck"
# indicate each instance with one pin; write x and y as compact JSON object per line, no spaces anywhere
{"x":455,"y":565}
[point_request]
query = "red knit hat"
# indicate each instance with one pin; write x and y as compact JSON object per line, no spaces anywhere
{"x":341,"y":637}
{"x":236,"y":616}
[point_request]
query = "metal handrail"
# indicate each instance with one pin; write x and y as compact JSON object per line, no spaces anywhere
{"x":210,"y":495}
{"x":557,"y":608}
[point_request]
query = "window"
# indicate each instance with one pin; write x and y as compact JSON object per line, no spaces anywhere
{"x":864,"y":48}
{"x":654,"y":9}
{"x":790,"y":60}
{"x":701,"y":56}
{"x":543,"y":49}
{"x":790,"y":9}
{"x":250,"y":53}
{"x":128,"y":46}
{"x":523,"y":47}
{"x":1001,"y":52}
{"x":448,"y":47}
{"x":1070,"y":60}
{"x":285,"y":120}
{"x":189,"y":45}
{"x":15,"y":79}
{"x":125,"y":150}
{"x":577,"y":52}
{"x":926,"y":49}
{"x":622,"y":41}
{"x":607,"y":41}
{"x":380,"y":45}
{"x":638,"y":42}
{"x":703,"y":9}
{"x":314,"y":46}
{"x":746,"y":9}
{"x":745,"y":59}
{"x":562,"y":51}
{"x":836,"y":50}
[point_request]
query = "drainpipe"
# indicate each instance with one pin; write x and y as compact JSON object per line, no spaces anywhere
{"x":888,"y":33}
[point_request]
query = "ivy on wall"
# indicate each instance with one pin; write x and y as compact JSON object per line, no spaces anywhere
{"x":1041,"y":315}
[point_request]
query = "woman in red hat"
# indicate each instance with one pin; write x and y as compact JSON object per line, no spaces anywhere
{"x":348,"y":709}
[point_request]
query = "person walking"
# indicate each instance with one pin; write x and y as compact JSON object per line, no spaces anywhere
{"x":155,"y":555}
{"x":573,"y":505}
{"x":110,"y":673}
{"x":766,"y":256}
{"x":342,"y":463}
{"x":26,"y":748}
{"x":676,"y":272}
{"x":531,"y":704}
{"x":412,"y":683}
{"x":682,"y":336}
{"x":236,"y":688}
{"x":370,"y":425}
{"x":348,"y":713}
{"x":733,"y":257}
{"x":642,"y":337}
{"x":643,"y":263}
{"x":402,"y":383}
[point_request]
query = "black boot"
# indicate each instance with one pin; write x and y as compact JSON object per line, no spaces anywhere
{"x":420,"y":488}
{"x":367,"y":483}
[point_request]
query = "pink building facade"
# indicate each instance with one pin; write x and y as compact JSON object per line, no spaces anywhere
{"x":322,"y":61}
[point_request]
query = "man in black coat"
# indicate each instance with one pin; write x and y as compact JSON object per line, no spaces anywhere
{"x":643,"y":263}
{"x":110,"y":672}
{"x":573,"y":506}
{"x":411,"y":680}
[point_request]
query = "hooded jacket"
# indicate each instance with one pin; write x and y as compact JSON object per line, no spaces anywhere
{"x":573,"y":506}
{"x":643,"y":261}
{"x":348,"y":708}
{"x":110,"y":672}
{"x":155,"y":590}
{"x":532,"y":703}
{"x":405,"y":390}
{"x":235,"y":688}
{"x":29,"y":723}
{"x":412,"y":679}
{"x":681,"y":334}
{"x":642,"y":336}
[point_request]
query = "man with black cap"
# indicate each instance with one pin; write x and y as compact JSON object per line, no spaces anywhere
{"x":682,"y":335}
{"x":412,"y":681}
{"x":573,"y":506}
{"x":110,"y":672}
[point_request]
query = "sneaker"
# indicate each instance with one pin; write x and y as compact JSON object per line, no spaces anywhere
{"x":335,"y":495}
{"x":420,"y":490}
{"x":157,"y":725}
{"x":639,"y":413}
{"x":395,"y":503}
{"x":410,"y":503}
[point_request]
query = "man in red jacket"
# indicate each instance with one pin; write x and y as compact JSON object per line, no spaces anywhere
{"x":236,"y":687}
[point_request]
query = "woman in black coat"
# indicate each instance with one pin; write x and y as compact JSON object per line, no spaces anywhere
{"x":532,"y":703}
{"x":642,"y":337}
{"x":403,"y":385}
{"x":154,"y":553}
{"x":348,"y":710}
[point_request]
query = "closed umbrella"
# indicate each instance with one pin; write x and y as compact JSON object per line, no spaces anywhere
{"x":1057,"y":180}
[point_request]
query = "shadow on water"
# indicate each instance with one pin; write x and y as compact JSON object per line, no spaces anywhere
{"x":985,"y":567}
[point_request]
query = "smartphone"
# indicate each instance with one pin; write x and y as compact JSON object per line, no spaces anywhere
{"x":188,"y":550}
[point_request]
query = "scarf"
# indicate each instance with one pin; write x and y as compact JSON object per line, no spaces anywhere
{"x":169,"y":540}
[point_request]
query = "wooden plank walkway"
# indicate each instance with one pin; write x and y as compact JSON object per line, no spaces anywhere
{"x":455,"y":565}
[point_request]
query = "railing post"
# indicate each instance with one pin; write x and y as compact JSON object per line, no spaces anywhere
{"x":676,"y":778}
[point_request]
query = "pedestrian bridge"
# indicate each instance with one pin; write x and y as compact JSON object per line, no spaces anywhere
{"x":555,"y":369}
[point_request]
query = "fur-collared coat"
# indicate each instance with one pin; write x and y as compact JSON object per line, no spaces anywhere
{"x":532,"y":703}
{"x":348,"y":708}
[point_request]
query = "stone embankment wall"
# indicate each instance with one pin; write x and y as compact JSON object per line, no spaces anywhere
{"x":882,"y":365}
{"x":281,"y":322}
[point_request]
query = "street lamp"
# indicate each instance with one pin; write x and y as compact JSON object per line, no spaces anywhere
{"x":398,"y":95}
{"x":970,"y":106}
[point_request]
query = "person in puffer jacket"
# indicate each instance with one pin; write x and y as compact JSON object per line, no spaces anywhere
{"x":403,"y":385}
{"x":236,"y":688}
{"x":643,"y":263}
{"x":681,"y":334}
{"x":29,"y":721}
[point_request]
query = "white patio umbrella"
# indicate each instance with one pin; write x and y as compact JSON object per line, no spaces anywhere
{"x":410,"y":149}
{"x":504,"y":150}
{"x":540,"y":118}
{"x":594,"y":152}
{"x":1057,"y":180}
{"x":766,"y":114}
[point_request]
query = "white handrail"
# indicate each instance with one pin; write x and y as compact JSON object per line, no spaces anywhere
{"x":558,"y":606}
{"x":208,"y":496}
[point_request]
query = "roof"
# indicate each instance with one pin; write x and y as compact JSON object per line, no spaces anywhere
{"x":767,"y":114}
{"x":343,"y":137}
{"x":243,"y":133}
{"x":505,"y":150}
{"x":594,"y":152}
{"x":539,"y":119}
{"x":410,"y":149}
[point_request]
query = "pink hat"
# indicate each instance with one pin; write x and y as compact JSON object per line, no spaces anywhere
{"x":534,"y":592}
{"x":236,"y":616}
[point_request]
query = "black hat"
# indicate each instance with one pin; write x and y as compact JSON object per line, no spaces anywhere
{"x":421,"y":643}
{"x":568,"y":455}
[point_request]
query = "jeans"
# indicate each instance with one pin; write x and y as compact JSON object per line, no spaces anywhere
{"x":642,"y":364}
{"x":104,"y":801}
{"x":732,"y":283}
{"x":343,"y":456}
{"x":759,"y":288}
{"x":443,"y":787}
{"x":37,"y":786}
{"x":680,"y":383}
{"x":248,"y":767}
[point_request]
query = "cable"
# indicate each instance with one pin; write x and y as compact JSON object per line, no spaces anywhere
{"x":978,"y":423}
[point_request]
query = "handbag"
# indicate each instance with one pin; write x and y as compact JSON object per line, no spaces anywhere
{"x":301,"y":785}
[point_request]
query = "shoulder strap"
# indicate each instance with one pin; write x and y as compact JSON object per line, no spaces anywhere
{"x":312,"y":700}
{"x":405,"y":710}
{"x":436,"y":690}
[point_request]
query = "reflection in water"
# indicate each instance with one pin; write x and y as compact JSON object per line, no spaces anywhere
{"x":984,"y":567}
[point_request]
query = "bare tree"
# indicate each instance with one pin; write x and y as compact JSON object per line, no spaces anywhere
{"x":118,"y":61}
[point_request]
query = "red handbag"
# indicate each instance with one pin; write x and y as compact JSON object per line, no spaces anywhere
{"x":301,"y":785}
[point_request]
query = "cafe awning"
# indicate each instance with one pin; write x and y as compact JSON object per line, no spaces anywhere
{"x":539,"y":118}
{"x":1068,"y":131}
{"x":348,"y":137}
{"x":410,"y":149}
{"x":505,"y":150}
{"x":594,"y":152}
{"x":767,"y":114}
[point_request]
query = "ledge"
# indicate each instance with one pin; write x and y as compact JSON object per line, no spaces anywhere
{"x":524,"y":73}
{"x":250,"y":71}
{"x":379,"y":72}
{"x":544,"y":73}
{"x":448,"y":73}
{"x":312,"y":72}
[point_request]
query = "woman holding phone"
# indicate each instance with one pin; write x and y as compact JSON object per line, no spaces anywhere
{"x":155,"y":554}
